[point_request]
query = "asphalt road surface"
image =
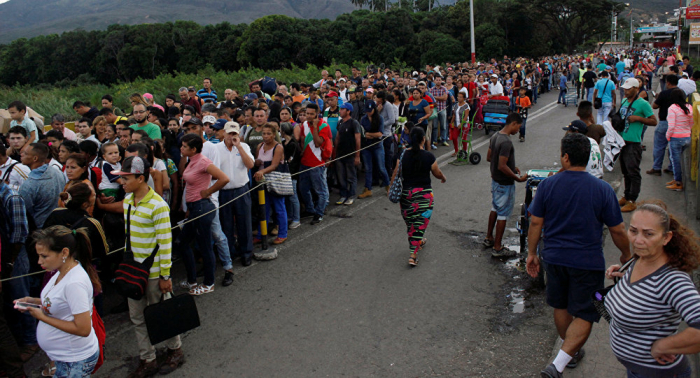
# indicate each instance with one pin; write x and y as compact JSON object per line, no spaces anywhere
{"x":341,"y":300}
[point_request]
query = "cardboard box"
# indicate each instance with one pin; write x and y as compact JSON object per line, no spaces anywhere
{"x":5,"y":119}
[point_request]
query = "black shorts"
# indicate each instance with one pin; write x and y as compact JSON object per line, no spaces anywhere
{"x":571,"y":289}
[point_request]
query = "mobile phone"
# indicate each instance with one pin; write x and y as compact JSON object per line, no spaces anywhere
{"x":26,"y":305}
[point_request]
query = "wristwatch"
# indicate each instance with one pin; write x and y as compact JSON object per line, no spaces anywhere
{"x":165,"y":278}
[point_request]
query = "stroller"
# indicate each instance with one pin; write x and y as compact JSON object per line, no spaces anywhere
{"x":495,"y":113}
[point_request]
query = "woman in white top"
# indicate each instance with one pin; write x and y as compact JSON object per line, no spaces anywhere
{"x":64,"y":310}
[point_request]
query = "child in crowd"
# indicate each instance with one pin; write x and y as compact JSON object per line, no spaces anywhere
{"x":18,"y":113}
{"x":522,"y":104}
{"x":109,"y":186}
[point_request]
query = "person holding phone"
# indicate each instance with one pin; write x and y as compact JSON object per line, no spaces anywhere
{"x":64,"y":310}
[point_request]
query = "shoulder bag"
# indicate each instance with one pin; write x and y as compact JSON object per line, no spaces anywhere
{"x":598,"y":101}
{"x":131,"y":277}
{"x":617,"y":121}
{"x":598,"y":296}
{"x":279,"y":181}
{"x":397,"y":185}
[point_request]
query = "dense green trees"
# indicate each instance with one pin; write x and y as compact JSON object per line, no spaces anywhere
{"x":124,"y":53}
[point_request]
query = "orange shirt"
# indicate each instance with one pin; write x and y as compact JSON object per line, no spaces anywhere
{"x":523,"y":102}
{"x":299,"y":98}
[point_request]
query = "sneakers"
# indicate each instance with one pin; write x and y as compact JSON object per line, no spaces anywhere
{"x":145,"y":369}
{"x":503,"y":252}
{"x":653,"y":171}
{"x":279,"y":240}
{"x":628,"y":207}
{"x":202,"y":289}
{"x":228,"y":279}
{"x":677,"y":186}
{"x":294,"y":225}
{"x":341,"y":201}
{"x":366,"y":193}
{"x":317,"y":219}
{"x":275,"y":231}
{"x":433,"y":146}
{"x":551,"y":372}
{"x":522,"y":139}
{"x":622,"y":201}
{"x":578,"y":356}
{"x":445,"y":144}
{"x":174,"y":360}
{"x":349,"y":201}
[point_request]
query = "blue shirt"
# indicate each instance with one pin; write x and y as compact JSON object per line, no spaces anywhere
{"x":562,"y":82}
{"x":207,"y":96}
{"x":603,"y":91}
{"x":620,"y":66}
{"x":575,"y":205}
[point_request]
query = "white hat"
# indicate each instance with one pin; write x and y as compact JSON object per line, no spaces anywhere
{"x":232,"y":127}
{"x":209,"y":119}
{"x":630,"y":83}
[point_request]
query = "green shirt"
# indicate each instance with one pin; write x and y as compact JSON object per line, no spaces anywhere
{"x":150,"y":227}
{"x":633,"y":130}
{"x":152,"y":130}
{"x":601,"y":67}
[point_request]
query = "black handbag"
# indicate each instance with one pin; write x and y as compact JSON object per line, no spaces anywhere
{"x":169,"y":318}
{"x":131,"y":278}
{"x":598,"y":101}
{"x":618,"y":121}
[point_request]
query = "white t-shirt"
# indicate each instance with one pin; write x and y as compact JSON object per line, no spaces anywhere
{"x":232,"y":165}
{"x":495,"y":89}
{"x":55,"y":164}
{"x":71,"y":296}
{"x":19,"y":173}
{"x":93,"y":138}
{"x":595,"y":161}
{"x":159,"y":166}
{"x":107,"y":169}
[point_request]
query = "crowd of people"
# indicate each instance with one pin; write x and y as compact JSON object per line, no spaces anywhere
{"x":73,"y":199}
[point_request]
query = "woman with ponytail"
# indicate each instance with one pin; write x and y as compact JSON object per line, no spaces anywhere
{"x":654,"y":295}
{"x":417,"y":195}
{"x":64,"y":310}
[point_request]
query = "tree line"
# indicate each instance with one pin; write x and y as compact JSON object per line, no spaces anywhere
{"x":123,"y":53}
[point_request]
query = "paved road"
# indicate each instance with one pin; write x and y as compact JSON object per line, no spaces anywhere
{"x":341,"y":300}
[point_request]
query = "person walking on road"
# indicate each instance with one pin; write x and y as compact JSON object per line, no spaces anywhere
{"x":637,"y":112}
{"x":417,"y":196}
{"x":572,"y":207}
{"x":680,"y":123}
{"x":605,"y":90}
{"x":662,"y":102}
{"x":504,"y":174}
{"x":654,"y":294}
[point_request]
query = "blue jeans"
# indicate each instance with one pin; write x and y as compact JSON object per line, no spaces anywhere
{"x":589,"y":94}
{"x":19,"y":288}
{"x":273,"y":200}
{"x":503,"y":199}
{"x":294,"y":207}
{"x":78,"y":369}
{"x":522,"y":128}
{"x":442,"y":121}
{"x":535,"y":92}
{"x":199,"y":229}
{"x":685,"y":374}
{"x":675,"y":148}
{"x":371,"y":156}
{"x":221,"y":242}
{"x":660,"y":144}
{"x":237,"y":216}
{"x":313,"y":180}
{"x":562,"y":96}
{"x":604,"y":112}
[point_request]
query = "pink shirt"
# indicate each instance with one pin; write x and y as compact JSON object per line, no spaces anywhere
{"x":679,"y":123}
{"x":69,"y":134}
{"x":196,"y":177}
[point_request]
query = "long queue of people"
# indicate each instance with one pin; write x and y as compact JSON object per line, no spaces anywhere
{"x":70,"y":197}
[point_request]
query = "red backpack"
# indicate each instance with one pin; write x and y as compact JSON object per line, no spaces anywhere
{"x":101,"y":334}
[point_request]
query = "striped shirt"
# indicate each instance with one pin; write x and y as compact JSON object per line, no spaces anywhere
{"x":679,"y":123}
{"x":150,"y":227}
{"x":647,"y":310}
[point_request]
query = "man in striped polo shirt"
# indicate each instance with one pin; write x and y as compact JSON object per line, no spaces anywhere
{"x":149,"y":228}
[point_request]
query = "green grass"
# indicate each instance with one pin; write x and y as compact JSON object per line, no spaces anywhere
{"x":48,"y":100}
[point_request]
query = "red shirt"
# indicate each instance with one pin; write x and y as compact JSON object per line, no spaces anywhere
{"x":193,"y":103}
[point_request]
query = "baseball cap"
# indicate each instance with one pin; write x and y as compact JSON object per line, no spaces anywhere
{"x":133,"y":165}
{"x":232,"y":127}
{"x":219,"y":124}
{"x":370,"y":90}
{"x":190,"y":89}
{"x":341,"y":79}
{"x":193,"y":120}
{"x":414,"y":73}
{"x":251,"y":96}
{"x":346,"y":106}
{"x":370,"y":105}
{"x":332,"y":94}
{"x":577,"y":126}
{"x":147,"y":95}
{"x":209,"y":119}
{"x":494,"y":75}
{"x":421,"y":83}
{"x":630,"y":83}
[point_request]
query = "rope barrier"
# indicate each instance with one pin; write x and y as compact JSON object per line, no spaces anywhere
{"x":226,"y":204}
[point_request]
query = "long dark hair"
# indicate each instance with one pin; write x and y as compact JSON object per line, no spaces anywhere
{"x":75,"y":196}
{"x":417,"y":136}
{"x":55,"y":238}
{"x":678,"y":98}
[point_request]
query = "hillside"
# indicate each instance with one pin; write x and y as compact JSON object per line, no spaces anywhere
{"x":28,"y":18}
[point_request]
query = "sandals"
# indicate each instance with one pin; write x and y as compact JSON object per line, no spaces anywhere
{"x":49,"y":370}
{"x":413,"y":260}
{"x":202,"y":289}
{"x":188,"y":286}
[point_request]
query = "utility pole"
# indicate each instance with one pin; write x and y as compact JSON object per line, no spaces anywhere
{"x":631,"y":33}
{"x":471,"y":23}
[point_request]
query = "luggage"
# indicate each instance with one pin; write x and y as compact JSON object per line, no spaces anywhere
{"x":169,"y":318}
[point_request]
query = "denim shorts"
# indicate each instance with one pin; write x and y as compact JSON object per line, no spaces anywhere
{"x":503,"y":199}
{"x":78,"y":369}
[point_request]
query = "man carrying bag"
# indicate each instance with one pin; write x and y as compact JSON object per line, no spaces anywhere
{"x":149,"y":218}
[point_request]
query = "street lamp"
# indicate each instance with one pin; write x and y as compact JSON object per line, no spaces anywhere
{"x":471,"y":21}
